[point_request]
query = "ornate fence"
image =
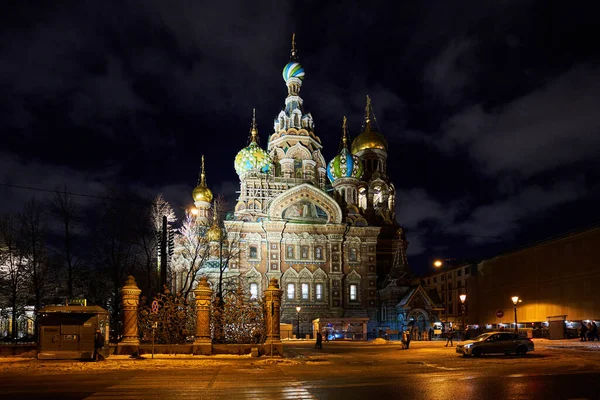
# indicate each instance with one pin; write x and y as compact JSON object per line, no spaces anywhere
{"x":173,"y":319}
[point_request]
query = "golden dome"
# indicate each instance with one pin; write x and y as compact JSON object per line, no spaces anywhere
{"x":202,"y":192}
{"x":369,"y":138}
{"x":214,"y":233}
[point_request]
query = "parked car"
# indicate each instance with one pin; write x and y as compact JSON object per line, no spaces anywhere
{"x":495,"y":342}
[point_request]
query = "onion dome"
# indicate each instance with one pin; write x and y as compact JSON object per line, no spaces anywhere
{"x":252,"y":157}
{"x":344,"y":165}
{"x":202,"y":192}
{"x":214,"y":233}
{"x":293,"y":69}
{"x":369,"y":138}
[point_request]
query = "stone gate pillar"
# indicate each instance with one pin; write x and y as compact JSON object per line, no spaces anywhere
{"x":130,"y":299}
{"x":203,"y":295}
{"x":273,"y":302}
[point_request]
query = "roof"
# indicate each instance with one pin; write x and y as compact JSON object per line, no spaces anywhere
{"x":74,"y":309}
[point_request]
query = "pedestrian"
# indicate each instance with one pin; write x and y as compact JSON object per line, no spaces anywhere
{"x":319,"y":343}
{"x":404,"y":340}
{"x":430,"y":336}
{"x":449,"y":337}
{"x":98,"y":345}
{"x":583,"y":332}
{"x":326,"y":336}
{"x":594,"y":331}
{"x":407,"y":339}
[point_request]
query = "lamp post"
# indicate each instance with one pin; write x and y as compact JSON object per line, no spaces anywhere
{"x":515,"y":300}
{"x":439,"y":264}
{"x":463,"y":298}
{"x":298,"y":314}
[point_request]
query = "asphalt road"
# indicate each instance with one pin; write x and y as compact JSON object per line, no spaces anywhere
{"x":339,"y":371}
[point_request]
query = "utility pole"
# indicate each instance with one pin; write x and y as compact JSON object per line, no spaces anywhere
{"x":163,"y":255}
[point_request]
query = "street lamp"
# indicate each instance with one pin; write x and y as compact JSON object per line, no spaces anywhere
{"x":515,"y":300}
{"x":463,"y":298}
{"x":298,"y":314}
{"x":438,"y":264}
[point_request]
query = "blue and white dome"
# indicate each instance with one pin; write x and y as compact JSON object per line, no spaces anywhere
{"x":293,"y":69}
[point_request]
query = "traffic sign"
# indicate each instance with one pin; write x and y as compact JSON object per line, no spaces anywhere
{"x":499,"y":313}
{"x":155,"y":307}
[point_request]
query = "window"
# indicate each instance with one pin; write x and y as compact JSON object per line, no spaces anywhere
{"x":353,"y":294}
{"x":352,"y":255}
{"x":253,"y":291}
{"x":450,"y":308}
{"x":434,"y":279}
{"x":290,"y":291}
{"x":459,"y":272}
{"x":443,"y":277}
{"x":449,"y":286}
{"x":449,"y":274}
{"x":305,"y":291}
{"x":466,"y":270}
{"x":253,"y":252}
{"x":304,"y":252}
{"x":318,"y":253}
{"x":383,"y":312}
{"x":319,"y":291}
{"x":289,"y":251}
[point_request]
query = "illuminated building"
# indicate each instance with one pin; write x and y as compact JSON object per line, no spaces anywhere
{"x":325,"y":230}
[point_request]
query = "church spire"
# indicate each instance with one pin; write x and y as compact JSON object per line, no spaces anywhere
{"x":254,"y":129}
{"x":202,"y":177}
{"x":344,"y":134}
{"x":293,"y":54}
{"x":368,"y":113}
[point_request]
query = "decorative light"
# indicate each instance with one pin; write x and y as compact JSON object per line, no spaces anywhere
{"x":438,"y":263}
{"x":515,"y":300}
{"x":194,"y":211}
{"x":298,"y":308}
{"x":463,"y":297}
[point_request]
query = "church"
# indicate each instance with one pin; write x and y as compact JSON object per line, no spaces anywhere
{"x":326,"y":230}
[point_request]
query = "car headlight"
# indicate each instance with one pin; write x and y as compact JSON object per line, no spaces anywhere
{"x":468,"y":346}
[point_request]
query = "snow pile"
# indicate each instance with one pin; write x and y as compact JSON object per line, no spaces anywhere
{"x":380,"y":341}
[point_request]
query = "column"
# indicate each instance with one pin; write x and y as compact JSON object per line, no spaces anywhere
{"x":273,"y":302}
{"x":130,"y":299}
{"x":203,"y":295}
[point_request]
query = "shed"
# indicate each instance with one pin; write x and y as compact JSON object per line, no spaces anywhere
{"x":67,"y":332}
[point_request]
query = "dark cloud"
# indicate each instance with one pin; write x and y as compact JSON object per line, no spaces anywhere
{"x":552,"y":126}
{"x":488,"y":107}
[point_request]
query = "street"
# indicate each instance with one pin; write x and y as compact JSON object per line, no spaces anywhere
{"x":347,"y":370}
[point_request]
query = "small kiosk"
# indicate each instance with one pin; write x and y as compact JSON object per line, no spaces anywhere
{"x":67,"y":332}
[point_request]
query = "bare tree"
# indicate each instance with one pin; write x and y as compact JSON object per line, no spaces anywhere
{"x":34,"y":232}
{"x":192,"y":250}
{"x":116,"y":250}
{"x":13,"y":277}
{"x":63,"y":208}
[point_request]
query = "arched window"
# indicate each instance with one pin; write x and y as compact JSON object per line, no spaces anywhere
{"x":291,"y":291}
{"x":319,"y":291}
{"x":353,"y":292}
{"x":253,"y":291}
{"x":383,"y":312}
{"x":377,"y":195}
{"x":253,"y":252}
{"x":305,"y":291}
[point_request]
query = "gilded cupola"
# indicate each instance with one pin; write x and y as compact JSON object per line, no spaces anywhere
{"x":369,"y":138}
{"x":201,"y":191}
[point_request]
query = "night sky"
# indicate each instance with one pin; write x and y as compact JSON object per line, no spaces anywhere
{"x":490,"y":108}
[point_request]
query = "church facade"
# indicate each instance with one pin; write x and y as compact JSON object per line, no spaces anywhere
{"x":326,"y":230}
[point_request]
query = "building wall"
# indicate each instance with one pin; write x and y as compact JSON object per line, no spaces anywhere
{"x":557,"y":277}
{"x":450,"y":283}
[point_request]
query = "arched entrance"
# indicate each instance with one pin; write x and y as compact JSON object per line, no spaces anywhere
{"x":420,"y":319}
